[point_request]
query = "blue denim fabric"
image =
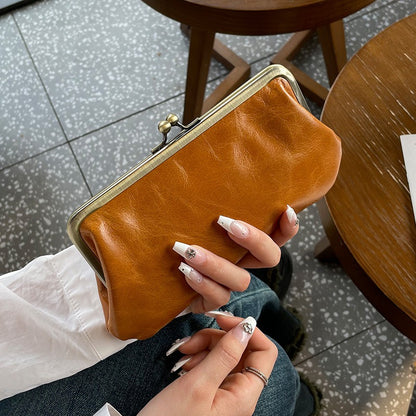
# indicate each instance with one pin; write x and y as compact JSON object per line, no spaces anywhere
{"x":131,"y":377}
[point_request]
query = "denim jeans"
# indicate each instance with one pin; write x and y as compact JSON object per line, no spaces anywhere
{"x":131,"y":377}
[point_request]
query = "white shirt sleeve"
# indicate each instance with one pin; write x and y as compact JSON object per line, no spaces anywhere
{"x":52,"y":324}
{"x":107,"y":410}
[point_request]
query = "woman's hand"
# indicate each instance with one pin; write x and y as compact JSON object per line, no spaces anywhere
{"x":214,"y":383}
{"x":214,"y":278}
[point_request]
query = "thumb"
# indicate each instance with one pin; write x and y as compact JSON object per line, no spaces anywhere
{"x":226,"y":354}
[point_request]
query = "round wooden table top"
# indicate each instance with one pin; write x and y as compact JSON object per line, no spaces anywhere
{"x":257,"y":17}
{"x":372,"y":103}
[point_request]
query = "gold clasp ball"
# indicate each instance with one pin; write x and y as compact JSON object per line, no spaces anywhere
{"x":164,"y":127}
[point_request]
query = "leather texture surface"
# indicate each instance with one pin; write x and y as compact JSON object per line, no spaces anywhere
{"x":265,"y":154}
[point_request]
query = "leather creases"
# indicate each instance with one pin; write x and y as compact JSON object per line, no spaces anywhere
{"x":267,"y":153}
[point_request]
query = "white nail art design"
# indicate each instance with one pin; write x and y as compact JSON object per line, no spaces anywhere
{"x":225,"y":222}
{"x":291,"y":215}
{"x":248,"y":325}
{"x":233,"y":226}
{"x":190,"y":273}
{"x":244,"y":330}
{"x":177,"y":344}
{"x":180,"y":364}
{"x":184,"y":250}
{"x":213,"y":314}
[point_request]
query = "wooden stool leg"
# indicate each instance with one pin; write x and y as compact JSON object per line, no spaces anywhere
{"x":239,"y":73}
{"x":310,"y":87}
{"x":200,"y":50}
{"x":332,"y":39}
{"x":324,"y":252}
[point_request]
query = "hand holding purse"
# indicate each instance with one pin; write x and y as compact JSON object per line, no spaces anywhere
{"x":249,"y":157}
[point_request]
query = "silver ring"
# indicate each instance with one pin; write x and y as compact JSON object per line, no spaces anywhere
{"x":257,"y":373}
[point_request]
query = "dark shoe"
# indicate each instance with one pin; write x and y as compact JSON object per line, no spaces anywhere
{"x":292,"y":332}
{"x":278,"y":278}
{"x":309,"y":402}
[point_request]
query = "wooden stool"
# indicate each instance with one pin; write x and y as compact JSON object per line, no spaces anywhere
{"x":205,"y":18}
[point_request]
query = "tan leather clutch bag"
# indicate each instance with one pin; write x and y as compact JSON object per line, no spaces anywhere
{"x":247,"y":158}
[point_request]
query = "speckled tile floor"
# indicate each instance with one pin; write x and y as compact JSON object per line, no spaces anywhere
{"x":83,"y":85}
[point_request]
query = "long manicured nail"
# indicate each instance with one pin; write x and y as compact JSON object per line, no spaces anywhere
{"x":177,"y":344}
{"x":188,"y":252}
{"x":191,"y":273}
{"x":244,"y":330}
{"x":214,"y":314}
{"x":291,"y":216}
{"x":236,"y":228}
{"x":180,"y":364}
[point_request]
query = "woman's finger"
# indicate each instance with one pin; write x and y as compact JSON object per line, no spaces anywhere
{"x":263,"y":250}
{"x":226,"y":355}
{"x":188,"y":362}
{"x":215,"y":267}
{"x":212,"y":294}
{"x":258,"y":341}
{"x":205,"y":339}
{"x":261,"y":354}
{"x":287,"y":228}
{"x":228,"y":360}
{"x":242,"y":346}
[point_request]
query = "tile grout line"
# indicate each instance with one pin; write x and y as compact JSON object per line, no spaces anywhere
{"x":139,"y":111}
{"x":69,"y":141}
{"x":50,"y":103}
{"x":40,"y":78}
{"x":340,"y":342}
{"x":32,"y":156}
{"x":144,"y":109}
{"x":80,"y":169}
{"x":125,"y":117}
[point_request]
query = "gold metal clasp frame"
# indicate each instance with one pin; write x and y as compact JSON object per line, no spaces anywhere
{"x":165,"y":126}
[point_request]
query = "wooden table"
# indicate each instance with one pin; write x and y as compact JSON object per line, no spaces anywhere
{"x":368,"y":215}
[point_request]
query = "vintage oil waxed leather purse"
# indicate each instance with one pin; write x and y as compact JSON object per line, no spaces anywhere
{"x":247,"y":158}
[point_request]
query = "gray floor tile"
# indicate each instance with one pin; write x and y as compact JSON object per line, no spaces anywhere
{"x":254,"y":48}
{"x":369,"y":374}
{"x":108,"y":153}
{"x":104,"y":60}
{"x":332,"y":307}
{"x":36,"y":198}
{"x":358,"y":31}
{"x":361,"y":30}
{"x":27,"y":123}
{"x":377,"y":4}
